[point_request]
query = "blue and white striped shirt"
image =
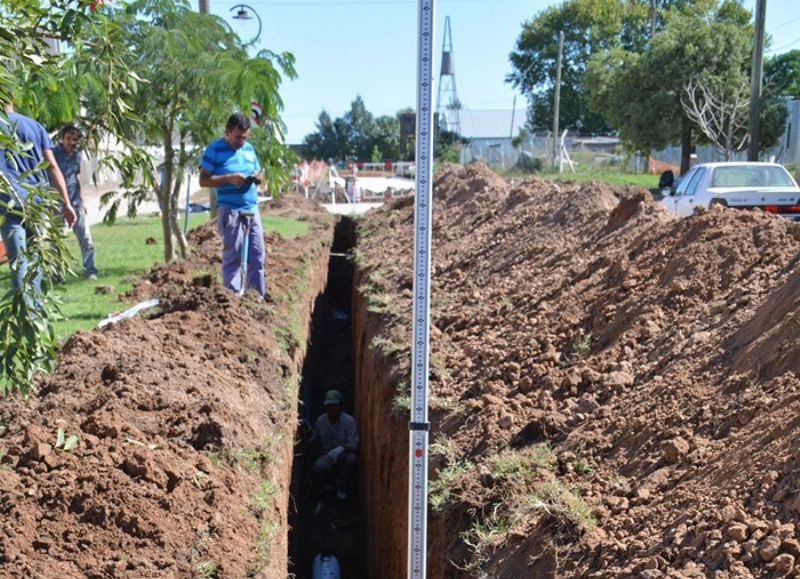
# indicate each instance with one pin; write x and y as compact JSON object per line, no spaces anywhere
{"x":220,"y":159}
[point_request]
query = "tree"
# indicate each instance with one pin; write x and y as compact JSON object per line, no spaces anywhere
{"x":331,"y":141}
{"x":387,"y":136}
{"x":197,"y":71}
{"x":589,"y":26}
{"x":361,"y":127}
{"x":782,"y":72}
{"x":640,"y":93}
{"x":720,"y":109}
{"x":357,"y":134}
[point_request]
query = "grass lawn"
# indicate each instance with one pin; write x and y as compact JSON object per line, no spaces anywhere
{"x":122,"y":256}
{"x":613,"y":178}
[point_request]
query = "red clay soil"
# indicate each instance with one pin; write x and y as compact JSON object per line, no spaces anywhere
{"x":185,"y":422}
{"x":613,"y":391}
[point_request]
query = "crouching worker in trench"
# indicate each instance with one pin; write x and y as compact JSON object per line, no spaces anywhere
{"x":336,"y":437}
{"x":231,"y":168}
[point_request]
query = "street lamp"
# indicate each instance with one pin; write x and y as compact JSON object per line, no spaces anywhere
{"x":243,"y":12}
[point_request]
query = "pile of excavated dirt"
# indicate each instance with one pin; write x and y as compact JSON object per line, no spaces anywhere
{"x":185,"y":420}
{"x":613,"y":391}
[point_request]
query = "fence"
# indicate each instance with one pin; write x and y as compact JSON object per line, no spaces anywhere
{"x":537,"y":153}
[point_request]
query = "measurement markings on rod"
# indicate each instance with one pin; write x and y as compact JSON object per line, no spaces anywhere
{"x":419,"y":427}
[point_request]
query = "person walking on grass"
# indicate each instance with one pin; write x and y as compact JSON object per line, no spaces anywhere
{"x":68,"y":158}
{"x":230,"y":167}
{"x":18,"y":168}
{"x":336,"y":439}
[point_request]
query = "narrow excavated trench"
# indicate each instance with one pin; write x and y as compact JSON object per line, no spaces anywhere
{"x":320,"y":522}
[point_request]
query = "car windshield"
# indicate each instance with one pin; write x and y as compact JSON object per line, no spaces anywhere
{"x":751,"y":176}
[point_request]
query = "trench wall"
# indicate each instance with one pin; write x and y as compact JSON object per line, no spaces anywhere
{"x":384,"y":448}
{"x":316,"y":277}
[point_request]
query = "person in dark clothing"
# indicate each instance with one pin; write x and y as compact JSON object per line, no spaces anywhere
{"x":336,"y":437}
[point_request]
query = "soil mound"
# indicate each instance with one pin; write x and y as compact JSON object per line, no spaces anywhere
{"x":184,"y":422}
{"x":613,"y":391}
{"x":457,"y":184}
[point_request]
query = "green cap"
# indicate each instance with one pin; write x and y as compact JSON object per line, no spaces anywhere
{"x":333,"y":397}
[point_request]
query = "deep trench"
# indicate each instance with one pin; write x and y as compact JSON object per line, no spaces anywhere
{"x":337,"y":528}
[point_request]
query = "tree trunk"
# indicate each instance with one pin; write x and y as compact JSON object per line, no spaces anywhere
{"x":164,"y":197}
{"x":686,"y":146}
{"x":177,"y":231}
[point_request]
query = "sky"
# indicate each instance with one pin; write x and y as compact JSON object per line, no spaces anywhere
{"x":345,"y":48}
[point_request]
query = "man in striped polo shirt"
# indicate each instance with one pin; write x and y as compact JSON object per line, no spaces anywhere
{"x":230,"y":166}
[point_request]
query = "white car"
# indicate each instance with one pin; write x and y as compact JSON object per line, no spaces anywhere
{"x":765,"y":186}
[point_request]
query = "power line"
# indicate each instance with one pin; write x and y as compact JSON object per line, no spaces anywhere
{"x":792,"y":43}
{"x":787,"y":23}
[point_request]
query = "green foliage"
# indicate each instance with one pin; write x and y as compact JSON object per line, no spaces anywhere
{"x":49,"y":86}
{"x":378,"y":302}
{"x":440,"y":488}
{"x":489,"y":530}
{"x":401,"y":403}
{"x":521,"y":466}
{"x":24,"y":53}
{"x":357,"y":135}
{"x":782,"y":72}
{"x":582,"y":344}
{"x":710,"y":42}
{"x":208,"y":570}
{"x":263,"y":504}
{"x":447,"y":147}
{"x":27,"y":336}
{"x":276,"y":161}
{"x":589,"y":26}
{"x":264,"y":497}
{"x":556,"y":499}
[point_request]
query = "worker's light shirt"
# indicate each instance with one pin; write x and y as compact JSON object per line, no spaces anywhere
{"x":343,"y":432}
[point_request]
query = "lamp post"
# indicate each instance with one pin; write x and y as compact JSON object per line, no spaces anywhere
{"x":243,"y":12}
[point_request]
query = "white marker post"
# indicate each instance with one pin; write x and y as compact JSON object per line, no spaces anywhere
{"x":419,"y":425}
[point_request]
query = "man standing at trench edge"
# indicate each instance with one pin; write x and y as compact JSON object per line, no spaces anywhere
{"x":230,"y":166}
{"x":21,"y":168}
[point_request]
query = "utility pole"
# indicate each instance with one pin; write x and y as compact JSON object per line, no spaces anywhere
{"x":557,"y":98}
{"x":755,"y":81}
{"x":653,"y":15}
{"x":203,"y":6}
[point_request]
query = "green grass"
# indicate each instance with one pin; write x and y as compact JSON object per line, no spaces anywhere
{"x":122,"y":257}
{"x":584,"y":174}
{"x":612,"y":178}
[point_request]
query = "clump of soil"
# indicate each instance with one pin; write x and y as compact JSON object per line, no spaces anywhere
{"x":184,"y":422}
{"x":613,"y":391}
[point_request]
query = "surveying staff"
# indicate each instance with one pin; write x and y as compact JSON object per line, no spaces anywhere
{"x":231,"y":168}
{"x":17,"y":169}
{"x":336,"y":434}
{"x":68,"y":158}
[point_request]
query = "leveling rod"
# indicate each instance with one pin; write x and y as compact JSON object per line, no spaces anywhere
{"x":419,"y":425}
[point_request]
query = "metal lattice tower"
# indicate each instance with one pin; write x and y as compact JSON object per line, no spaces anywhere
{"x":447,"y":103}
